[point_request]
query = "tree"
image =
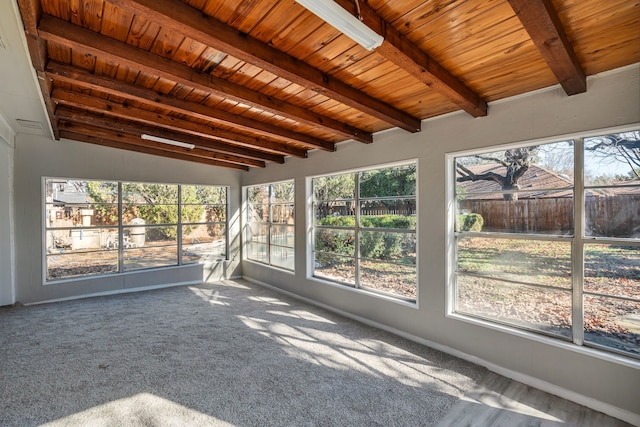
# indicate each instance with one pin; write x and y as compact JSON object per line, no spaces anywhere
{"x":104,"y":198}
{"x":516,"y":161}
{"x":390,"y":182}
{"x":616,"y":150}
{"x":335,"y":190}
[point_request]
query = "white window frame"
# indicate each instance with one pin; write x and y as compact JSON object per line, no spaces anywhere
{"x":270,"y":224}
{"x":411,"y":302}
{"x":578,"y":240}
{"x":120,"y":227}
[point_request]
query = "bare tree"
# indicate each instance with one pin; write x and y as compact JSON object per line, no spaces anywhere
{"x":618,"y":148}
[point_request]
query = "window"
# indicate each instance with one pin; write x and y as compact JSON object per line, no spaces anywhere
{"x":364,"y":229}
{"x":547,"y":238}
{"x":101,"y":227}
{"x":270,"y":224}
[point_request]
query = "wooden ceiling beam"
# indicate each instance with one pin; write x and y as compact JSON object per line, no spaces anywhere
{"x":192,"y":23}
{"x":76,"y":76}
{"x":154,"y":121}
{"x":75,"y":37}
{"x":136,"y":140}
{"x":81,"y":117}
{"x":31,"y":11}
{"x":543,"y":24}
{"x":409,"y":57}
{"x":119,"y":144}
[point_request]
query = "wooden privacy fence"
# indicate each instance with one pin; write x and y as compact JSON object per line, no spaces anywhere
{"x":615,"y":216}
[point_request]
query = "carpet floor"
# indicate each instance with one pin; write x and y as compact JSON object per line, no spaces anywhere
{"x":224,"y":354}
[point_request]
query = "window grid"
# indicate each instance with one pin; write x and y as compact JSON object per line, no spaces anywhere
{"x":587,"y":243}
{"x":344,"y":205}
{"x":78,"y":249}
{"x":276,"y":247}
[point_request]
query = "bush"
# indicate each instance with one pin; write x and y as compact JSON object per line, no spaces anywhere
{"x":469,"y":222}
{"x":375,"y":244}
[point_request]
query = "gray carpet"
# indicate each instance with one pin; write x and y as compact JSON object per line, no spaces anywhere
{"x":229,"y":353}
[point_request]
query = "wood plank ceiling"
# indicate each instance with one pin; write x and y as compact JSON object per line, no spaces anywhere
{"x":251,"y":82}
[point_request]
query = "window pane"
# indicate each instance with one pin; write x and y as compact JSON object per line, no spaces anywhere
{"x":338,"y":213}
{"x":150,"y":257}
{"x":147,"y":247}
{"x":283,"y":192}
{"x":391,"y":247}
{"x":612,"y":323}
{"x":282,"y":213}
{"x":335,"y":267}
{"x":613,"y":212}
{"x":334,"y":187}
{"x":546,"y":310}
{"x":204,"y":213}
{"x":388,"y":182}
{"x":258,"y":194}
{"x":282,"y":257}
{"x":522,"y":212}
{"x":87,"y":215}
{"x":380,"y":214}
{"x":547,"y":166}
{"x":337,"y":242}
{"x":283,"y":235}
{"x":149,"y":193}
{"x":204,"y":194}
{"x":612,"y":159}
{"x":612,"y":270}
{"x":258,"y":232}
{"x":69,"y":191}
{"x":135,"y":214}
{"x":203,"y":243}
{"x":64,"y":265}
{"x":258,"y":252}
{"x":530,"y":261}
{"x":149,"y":236}
{"x":81,"y":239}
{"x":258,"y":213}
{"x":387,"y":277}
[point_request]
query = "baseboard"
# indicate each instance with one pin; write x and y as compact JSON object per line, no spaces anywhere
{"x":545,"y":386}
{"x":116,"y":292}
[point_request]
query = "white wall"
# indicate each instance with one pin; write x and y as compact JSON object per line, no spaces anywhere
{"x":611,"y":100}
{"x":37,"y":157}
{"x":7,"y":291}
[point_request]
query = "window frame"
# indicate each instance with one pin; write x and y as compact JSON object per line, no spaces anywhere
{"x":578,"y":242}
{"x":389,"y":296}
{"x":270,"y":224}
{"x":120,"y":228}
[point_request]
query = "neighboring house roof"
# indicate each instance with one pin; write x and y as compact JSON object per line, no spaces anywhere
{"x":70,"y":197}
{"x":535,"y":178}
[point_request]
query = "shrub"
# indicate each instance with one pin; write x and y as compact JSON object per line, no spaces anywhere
{"x":469,"y":222}
{"x":374,"y":244}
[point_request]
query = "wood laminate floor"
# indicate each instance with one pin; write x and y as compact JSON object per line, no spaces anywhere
{"x":499,"y":401}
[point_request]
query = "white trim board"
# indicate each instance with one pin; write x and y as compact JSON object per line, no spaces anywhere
{"x":6,"y":132}
{"x":117,"y":291}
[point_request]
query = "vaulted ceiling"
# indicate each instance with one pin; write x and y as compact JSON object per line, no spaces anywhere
{"x":252,"y":82}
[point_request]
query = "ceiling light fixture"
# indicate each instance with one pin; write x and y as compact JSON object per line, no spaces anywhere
{"x":167,"y":141}
{"x":349,"y":25}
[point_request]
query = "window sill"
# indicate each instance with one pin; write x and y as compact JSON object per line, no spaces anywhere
{"x":386,"y":297}
{"x":565,"y":345}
